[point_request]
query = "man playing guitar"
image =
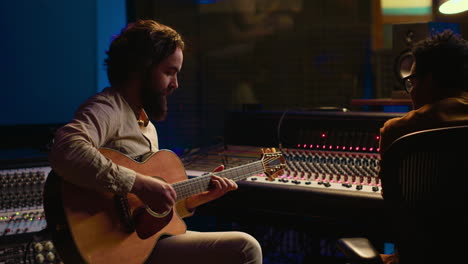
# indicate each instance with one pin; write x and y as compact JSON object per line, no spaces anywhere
{"x":142,"y":64}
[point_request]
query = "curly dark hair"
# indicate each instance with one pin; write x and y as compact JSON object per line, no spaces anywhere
{"x":140,"y":46}
{"x":445,"y":56}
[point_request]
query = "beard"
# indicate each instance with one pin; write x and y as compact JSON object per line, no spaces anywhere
{"x":154,"y":101}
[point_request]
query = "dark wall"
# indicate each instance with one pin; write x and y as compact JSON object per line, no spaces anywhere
{"x":302,"y":55}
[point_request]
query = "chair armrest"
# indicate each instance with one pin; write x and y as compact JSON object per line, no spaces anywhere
{"x":358,"y":250}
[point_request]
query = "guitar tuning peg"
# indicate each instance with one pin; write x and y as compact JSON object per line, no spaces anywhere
{"x":273,"y":150}
{"x":262,"y":150}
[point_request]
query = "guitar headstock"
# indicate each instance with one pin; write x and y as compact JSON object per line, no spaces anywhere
{"x":273,"y":163}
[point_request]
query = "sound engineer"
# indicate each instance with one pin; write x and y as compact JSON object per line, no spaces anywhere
{"x":438,"y":86}
{"x":143,"y":64}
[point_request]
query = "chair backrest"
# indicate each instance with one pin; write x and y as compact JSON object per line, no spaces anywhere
{"x":423,"y":180}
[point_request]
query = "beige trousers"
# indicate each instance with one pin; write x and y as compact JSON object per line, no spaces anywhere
{"x":230,"y":247}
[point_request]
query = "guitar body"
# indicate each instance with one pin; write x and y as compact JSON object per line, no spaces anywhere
{"x":87,"y":225}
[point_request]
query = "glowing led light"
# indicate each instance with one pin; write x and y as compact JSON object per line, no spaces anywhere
{"x":305,"y":145}
{"x":323,"y":135}
{"x":364,"y":148}
{"x":377,"y":137}
{"x":311,"y":146}
{"x":324,"y":146}
{"x":378,"y":149}
{"x":371,"y":149}
{"x":330,"y":147}
{"x":357,"y":148}
{"x":298,"y":145}
{"x":344,"y":148}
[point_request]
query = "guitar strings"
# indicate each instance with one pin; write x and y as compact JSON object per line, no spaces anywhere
{"x":183,"y":190}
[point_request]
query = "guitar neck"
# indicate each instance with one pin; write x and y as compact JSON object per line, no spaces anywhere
{"x":200,"y":184}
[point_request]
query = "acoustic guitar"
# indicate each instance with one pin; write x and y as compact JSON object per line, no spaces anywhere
{"x":100,"y":227}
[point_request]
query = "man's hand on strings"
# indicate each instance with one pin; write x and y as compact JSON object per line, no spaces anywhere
{"x":219,"y":186}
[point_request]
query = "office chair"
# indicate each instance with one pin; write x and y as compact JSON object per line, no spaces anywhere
{"x":423,"y":180}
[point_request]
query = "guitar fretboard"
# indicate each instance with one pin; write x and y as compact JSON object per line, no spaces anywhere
{"x":200,"y":184}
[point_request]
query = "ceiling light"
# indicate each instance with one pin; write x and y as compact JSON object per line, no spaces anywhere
{"x":453,"y":6}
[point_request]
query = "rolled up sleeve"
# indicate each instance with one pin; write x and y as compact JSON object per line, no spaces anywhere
{"x":75,"y":154}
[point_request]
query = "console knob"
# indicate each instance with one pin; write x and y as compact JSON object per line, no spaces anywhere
{"x":38,"y":247}
{"x":50,"y":256}
{"x":49,"y":246}
{"x":40,"y":258}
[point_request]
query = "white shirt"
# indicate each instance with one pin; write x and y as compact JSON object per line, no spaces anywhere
{"x":104,"y":120}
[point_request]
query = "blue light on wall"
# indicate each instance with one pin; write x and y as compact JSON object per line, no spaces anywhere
{"x":52,"y":56}
{"x":48,"y":56}
{"x":111,"y":18}
{"x":202,"y":2}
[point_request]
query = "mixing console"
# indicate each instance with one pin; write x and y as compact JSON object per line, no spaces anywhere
{"x":329,"y":188}
{"x":21,"y":208}
{"x":332,"y":162}
{"x":327,"y":170}
{"x":23,"y":225}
